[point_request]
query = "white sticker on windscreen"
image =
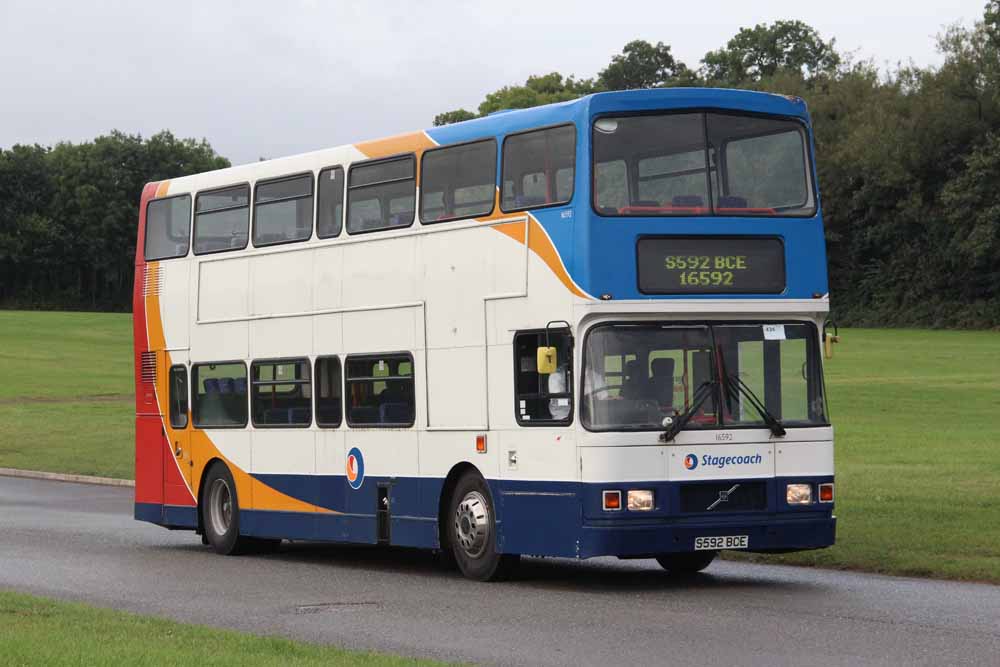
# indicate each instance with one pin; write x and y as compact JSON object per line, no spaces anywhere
{"x":774,"y":332}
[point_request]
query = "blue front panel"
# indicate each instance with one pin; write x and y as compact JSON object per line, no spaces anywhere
{"x":600,"y":252}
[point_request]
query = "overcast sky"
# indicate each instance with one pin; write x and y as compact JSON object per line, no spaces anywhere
{"x":282,"y":77}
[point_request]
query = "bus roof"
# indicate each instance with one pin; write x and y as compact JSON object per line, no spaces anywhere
{"x":505,"y":122}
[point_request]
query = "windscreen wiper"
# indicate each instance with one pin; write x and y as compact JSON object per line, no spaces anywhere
{"x":734,"y":385}
{"x":676,"y":425}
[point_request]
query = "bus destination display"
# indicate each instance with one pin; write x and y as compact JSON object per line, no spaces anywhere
{"x":711,"y":265}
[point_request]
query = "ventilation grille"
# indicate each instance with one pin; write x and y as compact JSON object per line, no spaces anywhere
{"x":746,"y":497}
{"x":147,"y":367}
{"x":152,"y":283}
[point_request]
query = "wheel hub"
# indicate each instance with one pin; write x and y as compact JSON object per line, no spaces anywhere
{"x":220,"y":506}
{"x":472,"y":524}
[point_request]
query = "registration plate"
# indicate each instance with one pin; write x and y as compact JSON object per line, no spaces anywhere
{"x":723,"y":542}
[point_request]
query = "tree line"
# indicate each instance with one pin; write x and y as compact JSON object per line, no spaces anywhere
{"x":908,"y":162}
{"x":69,"y":214}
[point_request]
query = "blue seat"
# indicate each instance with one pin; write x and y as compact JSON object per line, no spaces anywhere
{"x":733,"y":202}
{"x":688,"y":201}
{"x":212,"y":385}
{"x":226,"y":385}
{"x":364,"y":414}
{"x":240,"y":385}
{"x":523,"y":202}
{"x":395,"y":413}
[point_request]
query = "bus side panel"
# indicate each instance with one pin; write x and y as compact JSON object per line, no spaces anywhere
{"x":541,"y":518}
{"x":148,"y":467}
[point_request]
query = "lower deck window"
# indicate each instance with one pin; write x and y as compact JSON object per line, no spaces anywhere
{"x":328,"y":392}
{"x":380,"y":391}
{"x":543,"y":398}
{"x":281,"y":393}
{"x":220,"y":395}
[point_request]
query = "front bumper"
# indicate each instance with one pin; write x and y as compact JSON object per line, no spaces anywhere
{"x":768,"y":533}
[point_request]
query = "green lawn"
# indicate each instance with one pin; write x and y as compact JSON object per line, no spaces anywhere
{"x":66,"y":397}
{"x":916,"y":416}
{"x":37,"y":631}
{"x":917,"y":423}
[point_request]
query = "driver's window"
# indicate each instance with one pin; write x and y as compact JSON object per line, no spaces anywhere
{"x":543,"y":398}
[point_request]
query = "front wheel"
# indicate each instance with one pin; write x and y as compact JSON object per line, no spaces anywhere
{"x":686,"y":563}
{"x":472,"y":532}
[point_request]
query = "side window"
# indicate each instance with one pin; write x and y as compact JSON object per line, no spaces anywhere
{"x":283,"y":210}
{"x":538,"y":168}
{"x":330,"y":209}
{"x":281,"y":393}
{"x":460,"y":181}
{"x":543,"y":399}
{"x":329,"y":410}
{"x":178,"y":397}
{"x":220,"y":395}
{"x":380,"y":390}
{"x":222,"y":220}
{"x":168,"y":228}
{"x":381,"y":195}
{"x":610,"y":186}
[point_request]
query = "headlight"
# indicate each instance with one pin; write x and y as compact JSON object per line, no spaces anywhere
{"x":640,"y":501}
{"x":799,"y":494}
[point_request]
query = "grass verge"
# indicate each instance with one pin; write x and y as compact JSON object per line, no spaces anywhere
{"x":38,"y":631}
{"x":917,"y":454}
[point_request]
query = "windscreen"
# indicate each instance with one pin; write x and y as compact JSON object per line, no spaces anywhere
{"x":701,"y":164}
{"x":636,"y":376}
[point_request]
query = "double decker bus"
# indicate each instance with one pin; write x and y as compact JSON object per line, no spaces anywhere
{"x":586,"y":329}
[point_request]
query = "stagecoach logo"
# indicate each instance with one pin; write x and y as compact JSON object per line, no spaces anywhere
{"x":355,"y":468}
{"x":691,"y":461}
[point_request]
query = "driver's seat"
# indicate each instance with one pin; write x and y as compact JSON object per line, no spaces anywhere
{"x":662,"y":381}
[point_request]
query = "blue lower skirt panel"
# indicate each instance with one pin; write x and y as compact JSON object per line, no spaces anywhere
{"x":170,"y":516}
{"x":538,"y":518}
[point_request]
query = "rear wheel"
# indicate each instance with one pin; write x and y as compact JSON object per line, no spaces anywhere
{"x":471,"y":524}
{"x":687,"y":563}
{"x":220,"y":514}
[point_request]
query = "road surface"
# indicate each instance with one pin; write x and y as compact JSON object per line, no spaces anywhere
{"x":79,"y":542}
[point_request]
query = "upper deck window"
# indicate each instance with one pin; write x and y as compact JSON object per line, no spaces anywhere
{"x":458,"y":181}
{"x":701,"y":164}
{"x":222,"y":220}
{"x":330,"y":209}
{"x":381,"y":195}
{"x":538,"y":168}
{"x":168,"y":227}
{"x":283,"y":210}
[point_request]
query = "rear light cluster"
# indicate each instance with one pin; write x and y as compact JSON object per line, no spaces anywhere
{"x":637,"y":500}
{"x":802,"y":494}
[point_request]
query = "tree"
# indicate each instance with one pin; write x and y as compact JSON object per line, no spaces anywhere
{"x":456,"y":116}
{"x":764,"y":50}
{"x":69,"y":215}
{"x":643,"y":65}
{"x":537,"y":90}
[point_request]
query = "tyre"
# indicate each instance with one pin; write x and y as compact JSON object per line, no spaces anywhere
{"x":220,"y":514}
{"x":687,"y":563}
{"x":471,"y":526}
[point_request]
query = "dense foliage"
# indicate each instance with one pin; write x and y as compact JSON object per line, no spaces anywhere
{"x":68,"y":216}
{"x":908,"y":161}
